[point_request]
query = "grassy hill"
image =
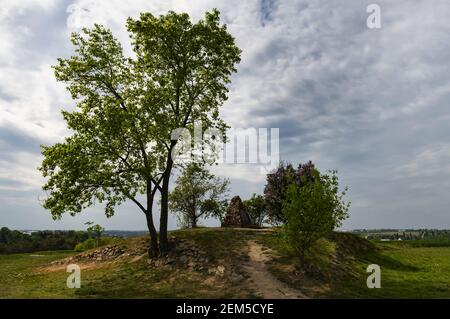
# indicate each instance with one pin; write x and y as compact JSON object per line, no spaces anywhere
{"x":232,"y":263}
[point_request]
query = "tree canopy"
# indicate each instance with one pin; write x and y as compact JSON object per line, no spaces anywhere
{"x":127,"y":109}
{"x":276,"y":186}
{"x":312,"y":209}
{"x":256,"y":208}
{"x":198,"y":194}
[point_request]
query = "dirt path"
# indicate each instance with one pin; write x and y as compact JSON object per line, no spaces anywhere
{"x":262,"y":280}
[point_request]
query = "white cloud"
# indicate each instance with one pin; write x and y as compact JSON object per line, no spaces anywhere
{"x":23,"y":171}
{"x":367,"y":102}
{"x":432,"y":161}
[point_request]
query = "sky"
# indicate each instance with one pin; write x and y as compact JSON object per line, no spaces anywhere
{"x":371,"y":103}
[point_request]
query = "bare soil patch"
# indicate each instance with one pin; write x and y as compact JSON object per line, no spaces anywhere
{"x":261,"y":280}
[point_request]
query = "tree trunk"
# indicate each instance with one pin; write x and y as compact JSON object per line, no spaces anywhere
{"x":302,"y":258}
{"x":194,"y":215}
{"x":163,"y":241}
{"x":153,"y":251}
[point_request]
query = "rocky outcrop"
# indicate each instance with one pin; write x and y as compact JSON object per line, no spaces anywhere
{"x":184,"y":254}
{"x":106,"y":253}
{"x":237,"y":215}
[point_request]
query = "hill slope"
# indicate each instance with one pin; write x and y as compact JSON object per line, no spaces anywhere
{"x":230,"y":263}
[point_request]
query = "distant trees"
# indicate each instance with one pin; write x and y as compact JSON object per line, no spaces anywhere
{"x":277,"y":183}
{"x":14,"y":241}
{"x":312,"y":208}
{"x":256,"y":208}
{"x":198,"y":194}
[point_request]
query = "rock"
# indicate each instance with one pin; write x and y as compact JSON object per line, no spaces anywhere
{"x":237,"y":215}
{"x":237,"y":277}
{"x":183,"y":259}
{"x":137,"y":258}
{"x":184,"y":255}
{"x":211,"y":271}
{"x":220,"y":270}
{"x":160,"y":262}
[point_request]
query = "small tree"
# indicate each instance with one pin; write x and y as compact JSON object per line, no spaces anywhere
{"x":276,"y":187}
{"x":96,"y":230}
{"x":256,"y":208}
{"x":197,"y":194}
{"x":313,"y":210}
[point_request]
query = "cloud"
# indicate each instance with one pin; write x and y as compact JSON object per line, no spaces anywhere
{"x":13,"y":140}
{"x":371,"y":103}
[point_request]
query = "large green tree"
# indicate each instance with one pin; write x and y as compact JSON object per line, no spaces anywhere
{"x":128,"y":108}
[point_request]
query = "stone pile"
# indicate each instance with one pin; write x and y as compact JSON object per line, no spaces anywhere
{"x":184,"y":254}
{"x":237,"y":215}
{"x":106,"y":253}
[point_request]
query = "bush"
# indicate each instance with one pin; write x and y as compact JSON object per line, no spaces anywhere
{"x":92,"y":243}
{"x":312,"y":210}
{"x":277,"y":183}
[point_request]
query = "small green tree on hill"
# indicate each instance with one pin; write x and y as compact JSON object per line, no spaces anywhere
{"x":277,"y":183}
{"x":198,"y":194}
{"x":312,"y":210}
{"x":96,"y":231}
{"x":256,"y":208}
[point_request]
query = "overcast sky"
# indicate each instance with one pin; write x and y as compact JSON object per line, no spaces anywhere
{"x":371,"y":103}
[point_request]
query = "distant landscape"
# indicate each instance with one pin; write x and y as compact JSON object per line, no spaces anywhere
{"x":17,"y":241}
{"x":233,"y":263}
{"x":438,"y":235}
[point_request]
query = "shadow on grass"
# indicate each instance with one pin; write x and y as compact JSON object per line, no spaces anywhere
{"x":389,"y":262}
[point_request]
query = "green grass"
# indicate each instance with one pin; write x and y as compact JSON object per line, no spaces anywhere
{"x":407,"y":271}
{"x":444,"y":242}
{"x":223,"y":246}
{"x":18,"y":278}
{"x":221,"y":243}
{"x":139,"y":281}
